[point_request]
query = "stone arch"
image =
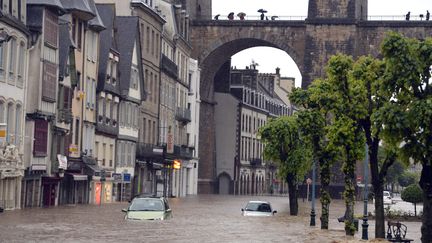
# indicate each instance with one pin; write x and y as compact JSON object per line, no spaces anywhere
{"x":224,"y":184}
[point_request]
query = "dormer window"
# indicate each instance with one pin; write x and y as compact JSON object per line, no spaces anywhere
{"x":134,"y":77}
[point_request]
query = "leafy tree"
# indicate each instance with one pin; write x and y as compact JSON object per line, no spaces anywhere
{"x":412,"y":194}
{"x":286,"y":145}
{"x":407,"y":178}
{"x":394,"y":172}
{"x":408,"y":117}
{"x":313,"y":123}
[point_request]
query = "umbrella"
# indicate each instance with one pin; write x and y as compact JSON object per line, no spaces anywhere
{"x":274,"y":17}
{"x":241,"y":15}
{"x":262,"y":10}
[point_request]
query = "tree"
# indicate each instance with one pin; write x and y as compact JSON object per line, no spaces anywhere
{"x":408,"y":117}
{"x":313,"y":123}
{"x":286,"y":145}
{"x":412,"y":194}
{"x":394,"y":173}
{"x":407,"y":178}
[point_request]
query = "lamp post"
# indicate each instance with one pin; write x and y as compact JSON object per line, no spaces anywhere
{"x":312,"y":219}
{"x":365,"y":224}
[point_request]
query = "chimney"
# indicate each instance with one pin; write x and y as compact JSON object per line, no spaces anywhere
{"x":277,"y":71}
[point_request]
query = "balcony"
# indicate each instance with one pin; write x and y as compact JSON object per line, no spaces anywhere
{"x":107,"y":125}
{"x":183,"y":115}
{"x":183,"y":152}
{"x":255,"y":162}
{"x":65,"y":115}
{"x":148,"y":150}
{"x":169,"y":67}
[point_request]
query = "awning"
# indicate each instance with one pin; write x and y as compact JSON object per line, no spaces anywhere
{"x":93,"y":170}
{"x":78,"y":177}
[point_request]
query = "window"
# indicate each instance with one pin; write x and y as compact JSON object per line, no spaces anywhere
{"x":93,"y":94}
{"x":79,"y":33}
{"x":51,"y":28}
{"x":134,"y":77}
{"x":111,"y":158}
{"x":9,"y":122}
{"x":114,"y":112}
{"x":21,"y":65}
{"x":12,"y":59}
{"x":104,"y":152}
{"x":49,"y":81}
{"x":18,"y":124}
{"x":2,"y":62}
{"x":108,"y":78}
{"x":148,"y":39}
{"x":96,"y":154}
{"x":40,"y":138}
{"x":2,"y":111}
{"x":114,"y":72}
{"x":77,"y":130}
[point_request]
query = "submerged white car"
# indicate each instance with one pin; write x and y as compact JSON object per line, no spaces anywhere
{"x":258,"y":208}
{"x":387,"y":198}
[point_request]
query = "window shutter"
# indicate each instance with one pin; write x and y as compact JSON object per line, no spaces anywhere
{"x":49,"y":81}
{"x":66,"y":97}
{"x":41,"y":138}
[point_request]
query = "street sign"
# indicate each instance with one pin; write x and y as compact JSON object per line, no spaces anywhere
{"x":126,"y":177}
{"x":117,"y":177}
{"x":62,"y":161}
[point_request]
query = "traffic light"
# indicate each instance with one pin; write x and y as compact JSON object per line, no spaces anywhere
{"x":176,"y":164}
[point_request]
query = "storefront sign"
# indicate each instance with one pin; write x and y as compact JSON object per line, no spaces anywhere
{"x":127,"y":177}
{"x":9,"y":174}
{"x":73,"y":150}
{"x":2,"y":130}
{"x":38,"y":167}
{"x":62,"y":161}
{"x":117,"y":177}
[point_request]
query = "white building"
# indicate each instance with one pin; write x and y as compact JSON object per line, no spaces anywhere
{"x":13,"y":85}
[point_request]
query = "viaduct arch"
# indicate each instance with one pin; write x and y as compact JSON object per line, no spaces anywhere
{"x":331,"y":27}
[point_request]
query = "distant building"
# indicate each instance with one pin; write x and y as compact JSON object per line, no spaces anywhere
{"x":240,"y":166}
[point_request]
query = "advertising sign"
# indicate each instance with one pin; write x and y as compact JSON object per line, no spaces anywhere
{"x":62,"y":161}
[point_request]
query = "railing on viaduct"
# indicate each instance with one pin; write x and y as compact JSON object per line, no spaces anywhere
{"x":276,"y":18}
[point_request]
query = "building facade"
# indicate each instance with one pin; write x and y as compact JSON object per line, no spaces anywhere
{"x":241,"y":168}
{"x":14,"y":43}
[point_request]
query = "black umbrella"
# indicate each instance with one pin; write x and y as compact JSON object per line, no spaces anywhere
{"x":262,"y":10}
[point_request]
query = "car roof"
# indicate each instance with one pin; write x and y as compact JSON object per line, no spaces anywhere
{"x":147,"y":196}
{"x":258,"y":202}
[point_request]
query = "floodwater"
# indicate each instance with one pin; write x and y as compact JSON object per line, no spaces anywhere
{"x":203,"y":218}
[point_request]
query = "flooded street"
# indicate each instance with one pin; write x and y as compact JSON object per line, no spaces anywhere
{"x":203,"y":218}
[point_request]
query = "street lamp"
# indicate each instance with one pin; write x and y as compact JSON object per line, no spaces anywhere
{"x":312,"y":220}
{"x":365,"y":196}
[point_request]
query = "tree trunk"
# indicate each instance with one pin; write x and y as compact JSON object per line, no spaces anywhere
{"x":349,"y":195}
{"x":292,"y":194}
{"x":426,"y":185}
{"x":325,"y":195}
{"x":379,"y":211}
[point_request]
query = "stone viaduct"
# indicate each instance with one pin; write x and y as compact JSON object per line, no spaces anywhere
{"x":332,"y":26}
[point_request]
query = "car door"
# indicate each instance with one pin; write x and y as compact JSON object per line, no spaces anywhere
{"x":168,"y":211}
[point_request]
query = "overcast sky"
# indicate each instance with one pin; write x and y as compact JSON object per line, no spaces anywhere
{"x":270,"y":58}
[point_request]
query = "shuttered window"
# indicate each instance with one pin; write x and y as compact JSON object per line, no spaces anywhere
{"x":49,"y":81}
{"x":51,"y":28}
{"x":40,"y":138}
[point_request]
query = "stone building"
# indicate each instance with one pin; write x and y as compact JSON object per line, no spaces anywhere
{"x":131,"y":95}
{"x":240,"y":166}
{"x":14,"y":43}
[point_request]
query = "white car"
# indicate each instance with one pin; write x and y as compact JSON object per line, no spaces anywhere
{"x":258,"y":208}
{"x":387,"y":198}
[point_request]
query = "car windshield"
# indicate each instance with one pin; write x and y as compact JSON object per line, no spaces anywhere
{"x":258,"y":206}
{"x":386,"y":194}
{"x":146,"y":204}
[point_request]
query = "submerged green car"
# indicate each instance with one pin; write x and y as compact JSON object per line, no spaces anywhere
{"x":148,"y":208}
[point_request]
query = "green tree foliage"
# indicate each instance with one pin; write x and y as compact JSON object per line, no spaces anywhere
{"x":412,"y":194}
{"x":285,"y":144}
{"x":408,"y":117}
{"x":394,"y":172}
{"x":407,"y":178}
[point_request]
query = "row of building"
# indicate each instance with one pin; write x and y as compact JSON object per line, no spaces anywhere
{"x":99,"y":101}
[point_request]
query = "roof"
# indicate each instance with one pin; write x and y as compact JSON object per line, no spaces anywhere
{"x":126,"y":38}
{"x":107,"y":43}
{"x":79,"y":7}
{"x":65,"y":44}
{"x":95,"y":23}
{"x":56,"y":4}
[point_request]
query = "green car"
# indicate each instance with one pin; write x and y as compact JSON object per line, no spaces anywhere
{"x":148,"y":208}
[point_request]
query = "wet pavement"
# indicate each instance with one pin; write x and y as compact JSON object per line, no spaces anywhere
{"x":203,"y":218}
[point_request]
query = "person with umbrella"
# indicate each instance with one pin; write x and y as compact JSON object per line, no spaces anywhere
{"x":241,"y":15}
{"x":262,"y":11}
{"x":231,"y":16}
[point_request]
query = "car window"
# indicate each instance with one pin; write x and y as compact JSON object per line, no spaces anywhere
{"x":387,"y":194}
{"x":257,"y":206}
{"x":166,"y":204}
{"x":146,"y":204}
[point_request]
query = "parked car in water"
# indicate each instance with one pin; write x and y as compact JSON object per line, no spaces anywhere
{"x":258,"y":208}
{"x":148,"y":208}
{"x":387,"y":198}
